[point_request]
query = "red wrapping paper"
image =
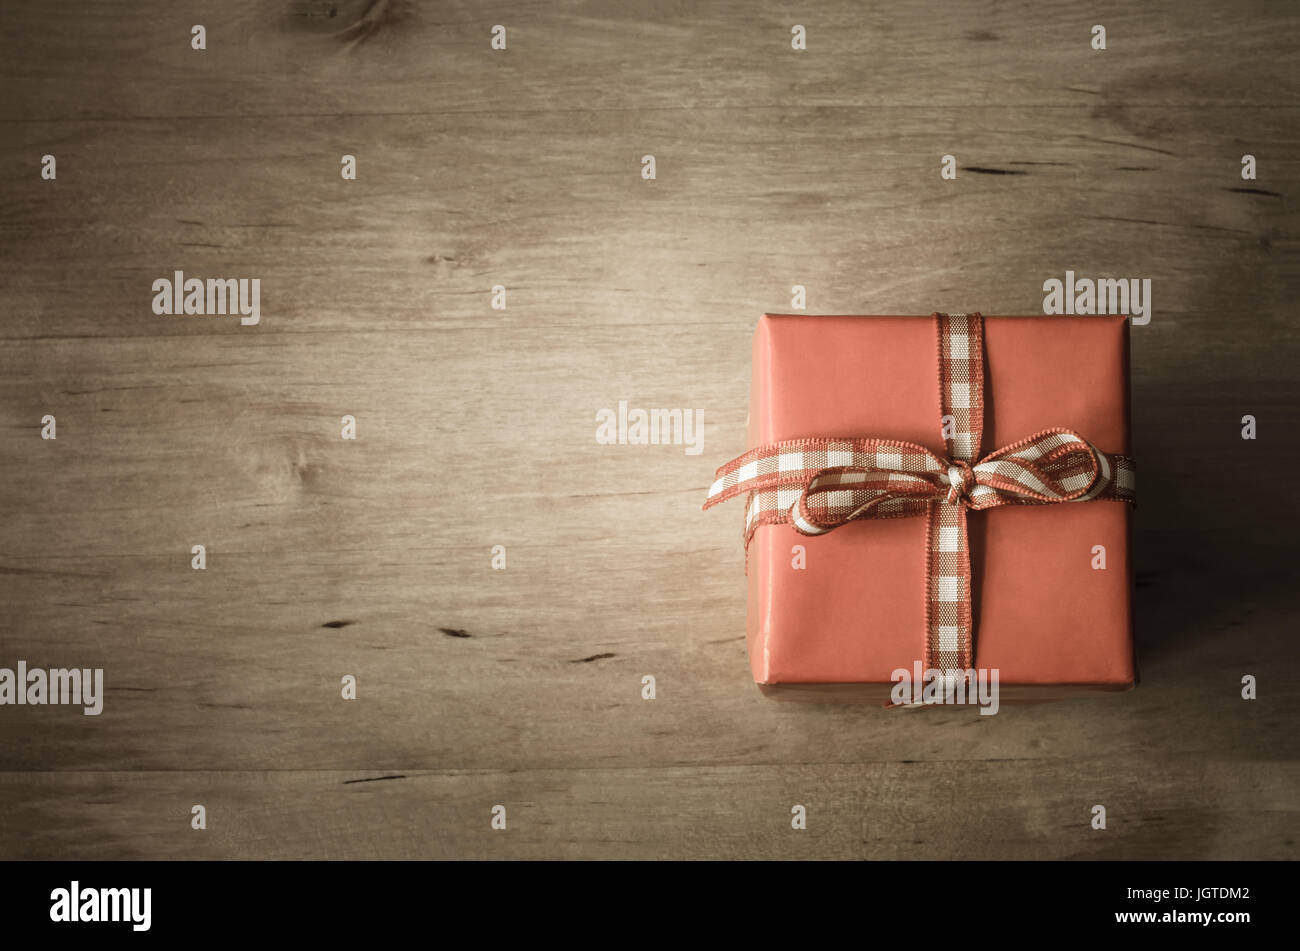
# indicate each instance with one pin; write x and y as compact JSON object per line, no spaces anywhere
{"x":1045,"y":618}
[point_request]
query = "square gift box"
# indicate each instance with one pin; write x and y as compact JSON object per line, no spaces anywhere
{"x":1049,"y":594}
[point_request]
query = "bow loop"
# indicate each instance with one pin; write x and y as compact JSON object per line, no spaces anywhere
{"x":832,"y":497}
{"x":896,"y":479}
{"x":1055,"y":465}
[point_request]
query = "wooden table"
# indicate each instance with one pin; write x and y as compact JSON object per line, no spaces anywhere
{"x":522,"y":168}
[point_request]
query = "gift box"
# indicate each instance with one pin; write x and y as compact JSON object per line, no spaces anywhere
{"x":1009,"y":554}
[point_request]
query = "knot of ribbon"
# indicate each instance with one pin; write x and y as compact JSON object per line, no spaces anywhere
{"x":819,"y":484}
{"x":872,"y":478}
{"x":960,"y":479}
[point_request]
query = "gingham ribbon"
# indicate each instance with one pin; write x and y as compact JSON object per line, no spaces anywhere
{"x":819,"y":484}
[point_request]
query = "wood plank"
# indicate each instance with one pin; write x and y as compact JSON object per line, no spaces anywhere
{"x":398,"y":58}
{"x":1013,"y":809}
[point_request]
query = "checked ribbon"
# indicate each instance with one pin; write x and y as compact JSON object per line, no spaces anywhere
{"x":819,"y":484}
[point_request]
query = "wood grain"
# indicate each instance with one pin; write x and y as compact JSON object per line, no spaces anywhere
{"x":476,"y":426}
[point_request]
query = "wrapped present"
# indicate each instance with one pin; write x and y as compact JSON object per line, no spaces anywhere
{"x":929,"y":498}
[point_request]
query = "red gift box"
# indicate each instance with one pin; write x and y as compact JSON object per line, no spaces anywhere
{"x":1049,"y":584}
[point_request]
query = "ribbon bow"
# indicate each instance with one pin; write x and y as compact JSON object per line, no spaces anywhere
{"x":820,"y":484}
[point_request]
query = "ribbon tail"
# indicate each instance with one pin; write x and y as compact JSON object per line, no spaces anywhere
{"x":948,"y":600}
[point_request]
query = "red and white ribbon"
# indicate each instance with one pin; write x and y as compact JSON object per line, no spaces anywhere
{"x":819,"y":484}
